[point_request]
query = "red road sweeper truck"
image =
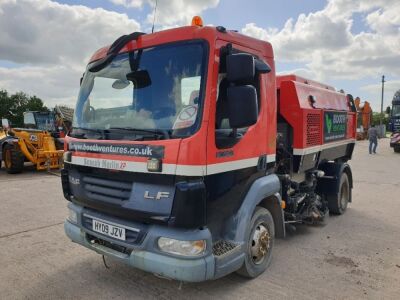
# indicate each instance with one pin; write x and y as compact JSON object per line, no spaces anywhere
{"x":188,"y":155}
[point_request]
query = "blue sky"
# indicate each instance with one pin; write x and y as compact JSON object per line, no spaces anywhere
{"x":229,"y":12}
{"x":345,"y":43}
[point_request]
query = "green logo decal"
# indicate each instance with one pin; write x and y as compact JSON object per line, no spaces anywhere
{"x":328,"y":122}
{"x":335,"y":126}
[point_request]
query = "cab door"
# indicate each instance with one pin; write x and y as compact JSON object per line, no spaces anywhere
{"x":241,"y":150}
{"x":236,"y":160}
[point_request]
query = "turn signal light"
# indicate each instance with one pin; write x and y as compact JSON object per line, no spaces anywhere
{"x":197,"y":21}
{"x":154,"y":165}
{"x":283,"y":204}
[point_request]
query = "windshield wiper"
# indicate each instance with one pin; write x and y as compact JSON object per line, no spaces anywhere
{"x":153,"y":132}
{"x":83,"y":134}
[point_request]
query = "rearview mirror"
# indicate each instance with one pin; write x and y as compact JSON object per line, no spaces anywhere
{"x":243,"y":67}
{"x":240,"y":67}
{"x":388,"y":110}
{"x":139,"y":78}
{"x":242,"y":106}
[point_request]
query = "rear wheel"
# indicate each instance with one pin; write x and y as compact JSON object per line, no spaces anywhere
{"x":338,"y":203}
{"x":13,"y":159}
{"x":260,"y":241}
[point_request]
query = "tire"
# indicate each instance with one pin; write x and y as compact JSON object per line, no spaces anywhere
{"x":396,"y":149}
{"x":261,"y":226}
{"x":13,"y":159}
{"x":338,"y":203}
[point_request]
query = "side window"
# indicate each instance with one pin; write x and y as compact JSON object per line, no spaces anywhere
{"x":225,"y":135}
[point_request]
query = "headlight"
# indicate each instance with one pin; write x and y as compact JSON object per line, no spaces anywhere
{"x":72,"y":216}
{"x":184,"y":248}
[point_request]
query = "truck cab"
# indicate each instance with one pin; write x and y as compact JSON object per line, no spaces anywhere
{"x":170,"y":165}
{"x":394,"y":122}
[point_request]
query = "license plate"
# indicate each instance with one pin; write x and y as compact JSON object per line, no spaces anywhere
{"x":108,"y":229}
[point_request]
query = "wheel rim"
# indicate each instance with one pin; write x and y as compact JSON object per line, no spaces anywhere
{"x":7,"y":160}
{"x":344,"y":196}
{"x":260,"y":243}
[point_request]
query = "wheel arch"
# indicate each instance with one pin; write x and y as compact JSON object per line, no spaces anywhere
{"x":264,"y":192}
{"x":347,"y":170}
{"x":330,"y":183}
{"x":274,"y":205}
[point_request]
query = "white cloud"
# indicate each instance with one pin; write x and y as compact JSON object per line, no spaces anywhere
{"x":44,"y":32}
{"x":53,"y":43}
{"x":53,"y":84}
{"x":129,"y":3}
{"x":171,"y":13}
{"x":324,"y":42}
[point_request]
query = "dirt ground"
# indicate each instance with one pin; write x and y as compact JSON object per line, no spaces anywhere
{"x":353,"y":256}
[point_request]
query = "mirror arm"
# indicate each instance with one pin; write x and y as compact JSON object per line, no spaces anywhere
{"x":261,"y":66}
{"x":234,"y":132}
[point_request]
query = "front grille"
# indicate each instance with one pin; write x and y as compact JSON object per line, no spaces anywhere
{"x":102,"y":189}
{"x":131,"y":237}
{"x":223,"y":247}
{"x":313,"y":129}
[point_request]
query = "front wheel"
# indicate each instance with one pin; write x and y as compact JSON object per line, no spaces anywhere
{"x":396,"y":149}
{"x":260,"y":241}
{"x":13,"y":160}
{"x":338,"y":203}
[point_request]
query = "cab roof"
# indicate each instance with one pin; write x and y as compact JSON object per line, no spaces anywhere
{"x":296,"y":78}
{"x":211,"y":34}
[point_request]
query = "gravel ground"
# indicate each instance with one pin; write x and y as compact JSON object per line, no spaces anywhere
{"x":355,"y":256}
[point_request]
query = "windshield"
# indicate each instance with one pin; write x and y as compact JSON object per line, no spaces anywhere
{"x":46,"y":122}
{"x":396,"y":110}
{"x":40,"y":120}
{"x":154,"y":89}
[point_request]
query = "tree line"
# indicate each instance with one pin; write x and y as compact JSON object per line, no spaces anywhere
{"x":13,"y":106}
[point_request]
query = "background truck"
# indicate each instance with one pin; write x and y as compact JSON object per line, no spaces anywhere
{"x":394,"y":122}
{"x":38,"y":142}
{"x":188,"y":155}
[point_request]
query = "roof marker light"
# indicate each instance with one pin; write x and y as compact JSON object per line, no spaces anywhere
{"x":197,"y":21}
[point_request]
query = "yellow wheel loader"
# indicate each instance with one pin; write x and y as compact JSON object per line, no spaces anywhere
{"x":22,"y":144}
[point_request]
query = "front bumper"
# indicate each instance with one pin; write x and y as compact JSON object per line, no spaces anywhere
{"x":147,"y":256}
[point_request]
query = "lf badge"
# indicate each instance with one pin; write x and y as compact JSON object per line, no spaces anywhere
{"x":158,"y":196}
